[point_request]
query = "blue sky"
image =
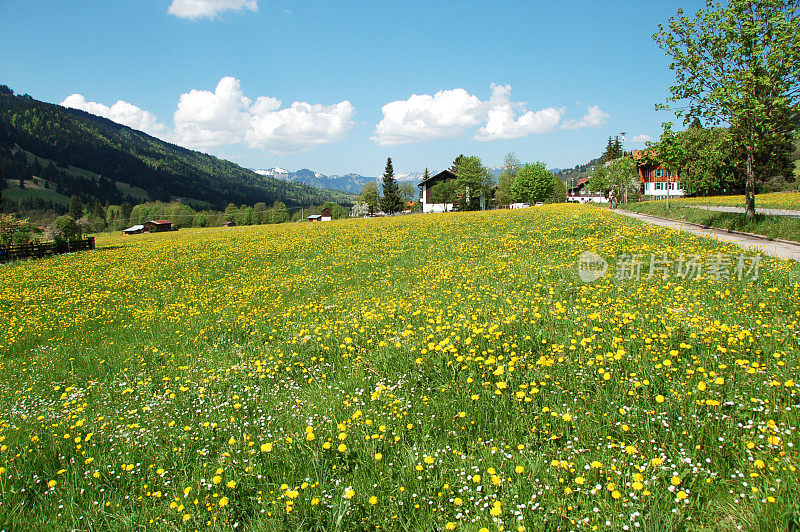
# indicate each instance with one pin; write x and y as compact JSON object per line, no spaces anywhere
{"x":339,"y":86}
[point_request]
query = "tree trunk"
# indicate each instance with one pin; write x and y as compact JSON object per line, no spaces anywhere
{"x":750,"y":185}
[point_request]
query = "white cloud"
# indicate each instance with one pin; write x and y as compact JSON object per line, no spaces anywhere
{"x":197,"y":9}
{"x":449,"y":113}
{"x":298,"y":127}
{"x":423,"y":117}
{"x":502,"y":123}
{"x":121,"y":112}
{"x":641,"y":138}
{"x":206,"y":118}
{"x":593,"y":118}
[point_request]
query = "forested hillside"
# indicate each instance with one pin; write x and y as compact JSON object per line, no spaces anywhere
{"x":74,"y":152}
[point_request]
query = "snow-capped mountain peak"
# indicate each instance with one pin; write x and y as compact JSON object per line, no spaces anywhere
{"x":275,"y":172}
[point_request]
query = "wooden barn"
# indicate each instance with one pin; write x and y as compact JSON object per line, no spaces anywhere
{"x":323,"y":216}
{"x":158,"y":226}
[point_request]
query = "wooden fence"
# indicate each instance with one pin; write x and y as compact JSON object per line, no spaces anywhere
{"x":37,"y":249}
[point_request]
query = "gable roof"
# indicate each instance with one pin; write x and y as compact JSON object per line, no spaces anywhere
{"x":443,"y":175}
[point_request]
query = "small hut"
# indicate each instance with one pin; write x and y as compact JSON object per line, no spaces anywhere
{"x":158,"y":226}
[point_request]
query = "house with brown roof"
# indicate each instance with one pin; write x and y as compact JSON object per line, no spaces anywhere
{"x":578,"y":192}
{"x":657,"y":180}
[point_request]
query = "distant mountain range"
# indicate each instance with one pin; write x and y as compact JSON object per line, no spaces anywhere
{"x":351,"y":183}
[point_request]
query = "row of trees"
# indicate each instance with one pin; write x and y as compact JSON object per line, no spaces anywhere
{"x":95,"y":217}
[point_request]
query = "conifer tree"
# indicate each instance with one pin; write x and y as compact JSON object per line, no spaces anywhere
{"x":390,"y":202}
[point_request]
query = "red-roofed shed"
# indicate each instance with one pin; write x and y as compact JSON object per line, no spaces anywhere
{"x":158,"y":226}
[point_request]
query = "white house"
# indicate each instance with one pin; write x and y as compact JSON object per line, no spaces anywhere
{"x":428,"y":184}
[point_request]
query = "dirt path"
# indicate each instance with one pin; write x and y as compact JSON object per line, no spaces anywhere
{"x":776,"y":248}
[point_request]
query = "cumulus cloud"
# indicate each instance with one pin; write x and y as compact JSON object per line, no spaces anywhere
{"x":449,"y":113}
{"x":226,"y":116}
{"x":298,"y":127}
{"x":197,"y":9}
{"x":121,"y":112}
{"x":502,"y":122}
{"x":594,"y":118}
{"x":641,"y":138}
{"x":206,"y":118}
{"x":446,"y":114}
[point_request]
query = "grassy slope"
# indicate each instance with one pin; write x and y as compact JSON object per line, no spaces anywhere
{"x":775,"y":200}
{"x":13,"y":192}
{"x":125,"y":188}
{"x":251,"y":377}
{"x":771,"y":226}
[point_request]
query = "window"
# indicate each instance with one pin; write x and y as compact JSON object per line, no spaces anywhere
{"x":659,"y":172}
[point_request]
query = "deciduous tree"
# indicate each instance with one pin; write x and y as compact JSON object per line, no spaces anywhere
{"x":473,"y":183}
{"x":739,"y":64}
{"x":533,"y":183}
{"x":369,"y":196}
{"x":511,"y":166}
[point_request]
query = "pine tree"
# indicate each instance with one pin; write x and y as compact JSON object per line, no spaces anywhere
{"x":75,"y":207}
{"x":613,"y":150}
{"x":456,"y":163}
{"x":390,"y":202}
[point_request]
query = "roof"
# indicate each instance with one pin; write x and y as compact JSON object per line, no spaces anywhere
{"x":159,"y":222}
{"x":314,"y":216}
{"x":639,"y":154}
{"x":444,"y":174}
{"x":133,"y":228}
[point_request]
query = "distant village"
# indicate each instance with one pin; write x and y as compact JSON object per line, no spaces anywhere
{"x":655,"y":182}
